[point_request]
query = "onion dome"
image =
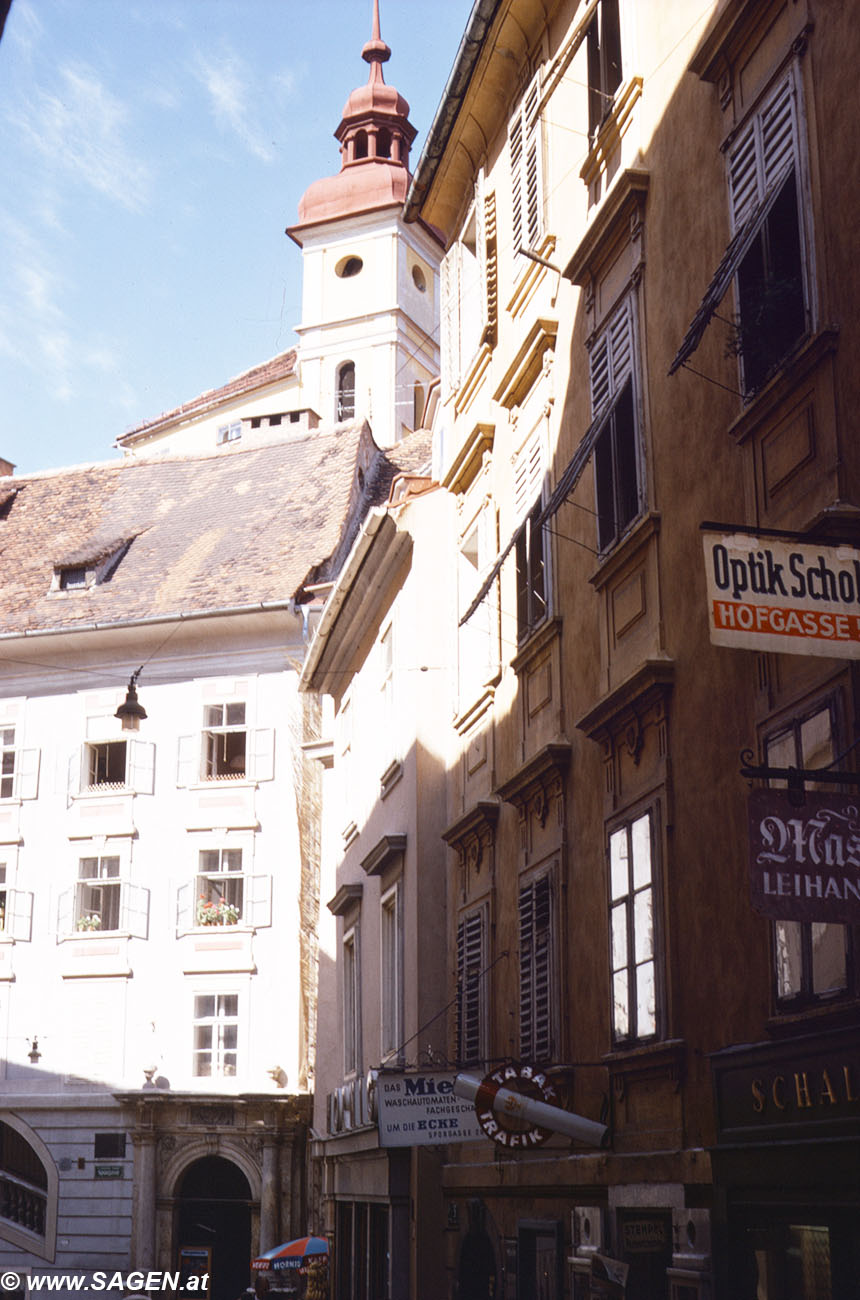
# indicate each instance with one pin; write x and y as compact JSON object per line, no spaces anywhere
{"x":375,"y":136}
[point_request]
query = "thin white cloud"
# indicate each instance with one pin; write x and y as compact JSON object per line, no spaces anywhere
{"x":227,"y":80}
{"x":24,"y":28}
{"x":79,"y":129}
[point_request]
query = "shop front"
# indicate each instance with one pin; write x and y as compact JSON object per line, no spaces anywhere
{"x":787,"y":1192}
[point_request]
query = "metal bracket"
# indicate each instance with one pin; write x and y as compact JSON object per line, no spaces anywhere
{"x":796,"y":778}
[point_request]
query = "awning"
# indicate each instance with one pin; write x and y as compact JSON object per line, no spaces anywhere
{"x":292,"y":1254}
{"x":725,"y":272}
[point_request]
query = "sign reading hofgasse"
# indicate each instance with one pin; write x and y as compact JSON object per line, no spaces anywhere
{"x":805,"y":861}
{"x":767,"y":593}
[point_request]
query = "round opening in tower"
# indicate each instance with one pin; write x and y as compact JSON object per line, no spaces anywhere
{"x":348,"y":267}
{"x":419,"y":279}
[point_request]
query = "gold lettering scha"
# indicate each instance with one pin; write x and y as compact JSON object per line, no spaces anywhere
{"x":804,"y":1090}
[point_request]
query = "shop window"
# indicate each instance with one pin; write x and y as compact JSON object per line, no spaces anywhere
{"x":811,"y":957}
{"x":391,"y":946}
{"x":471,"y":987}
{"x":346,"y":391}
{"x":216,"y":1035}
{"x":538,"y":979}
{"x":603,"y":41}
{"x":616,"y":449}
{"x":632,"y":922}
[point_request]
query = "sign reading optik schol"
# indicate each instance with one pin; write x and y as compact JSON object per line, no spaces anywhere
{"x":793,"y":597}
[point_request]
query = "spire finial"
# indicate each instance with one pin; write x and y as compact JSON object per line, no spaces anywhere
{"x":375,"y":51}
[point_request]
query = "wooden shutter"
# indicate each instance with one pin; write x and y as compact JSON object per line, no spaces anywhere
{"x":185,"y":904}
{"x":134,"y":914}
{"x":27,"y":773}
{"x":528,"y":474}
{"x":258,"y":901}
{"x":612,"y":358}
{"x":19,"y":914}
{"x":450,"y":319}
{"x":141,"y":766}
{"x":262,"y":753}
{"x":66,"y":912}
{"x":188,"y":760}
{"x":536,"y":943}
{"x":526,"y":162}
{"x":763,"y":153}
{"x":470,"y":964}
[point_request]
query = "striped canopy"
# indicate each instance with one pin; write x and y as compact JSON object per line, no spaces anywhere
{"x":293,"y":1254}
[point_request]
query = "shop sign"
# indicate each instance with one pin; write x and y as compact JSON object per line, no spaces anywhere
{"x":769,"y":593}
{"x":644,"y":1236}
{"x":805,"y":860}
{"x":421,"y":1109}
{"x":506,"y":1125}
{"x":108,"y":1171}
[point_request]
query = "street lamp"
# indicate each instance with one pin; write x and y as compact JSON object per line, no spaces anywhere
{"x":130,"y":712}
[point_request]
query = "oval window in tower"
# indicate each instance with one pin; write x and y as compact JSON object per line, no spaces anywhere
{"x":347,"y":267}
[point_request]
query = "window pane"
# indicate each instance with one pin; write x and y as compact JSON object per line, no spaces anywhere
{"x":88,"y":868}
{"x":816,"y":741}
{"x":202,"y":1037}
{"x":621,"y":1004}
{"x":627,"y":483}
{"x":789,"y":958}
{"x":231,"y":1037}
{"x":643,"y":925}
{"x":235,"y":715}
{"x":231,"y":860}
{"x":229,"y":1004}
{"x":619,"y":937}
{"x":209,"y":860}
{"x":828,"y":958}
{"x":646,"y":1003}
{"x":641,"y":837}
{"x":109,"y":867}
{"x":605,"y":494}
{"x":214,"y":715}
{"x":618,"y":864}
{"x":204,"y":1006}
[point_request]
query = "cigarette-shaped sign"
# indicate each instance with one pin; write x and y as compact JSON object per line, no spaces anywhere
{"x":514,"y":1119}
{"x":767,"y":593}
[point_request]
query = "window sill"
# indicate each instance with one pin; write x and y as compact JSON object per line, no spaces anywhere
{"x":540,"y":636}
{"x":794,"y":369}
{"x":390,"y":777}
{"x":653,"y":1060}
{"x":838,"y":1011}
{"x":642,"y":529}
{"x":481,"y":704}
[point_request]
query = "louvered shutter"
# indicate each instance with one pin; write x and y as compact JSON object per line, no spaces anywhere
{"x":481,"y":246}
{"x":526,"y":160}
{"x":764,"y":153}
{"x":470,"y":964}
{"x":612,"y":359}
{"x":528,"y":474}
{"x":450,"y":319}
{"x":535,"y":917}
{"x":516,"y":151}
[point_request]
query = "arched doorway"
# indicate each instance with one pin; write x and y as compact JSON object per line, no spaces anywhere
{"x":476,"y":1279}
{"x":214,"y":1213}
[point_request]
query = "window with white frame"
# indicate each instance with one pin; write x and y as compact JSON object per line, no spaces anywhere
{"x":19,"y":768}
{"x":224,"y":892}
{"x":351,"y":971}
{"x":391,"y":954}
{"x":526,"y":162}
{"x":225,"y":741}
{"x":216,"y":1035}
{"x":229,"y":432}
{"x":813,"y":959}
{"x":603,"y":42}
{"x":764,"y":177}
{"x":103,"y":897}
{"x":538,"y":974}
{"x":472,"y":962}
{"x":7,"y":762}
{"x":531,"y":549}
{"x":345,"y":402}
{"x":632,"y":924}
{"x":617,"y":468}
{"x":102,"y":766}
{"x":478,"y":637}
{"x":464,"y":306}
{"x":16,"y":906}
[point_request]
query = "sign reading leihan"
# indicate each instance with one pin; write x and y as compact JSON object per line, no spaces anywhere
{"x":422,"y":1109}
{"x":766,"y":593}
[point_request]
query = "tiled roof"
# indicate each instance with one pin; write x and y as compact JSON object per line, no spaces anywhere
{"x":234,"y":528}
{"x":268,"y":372}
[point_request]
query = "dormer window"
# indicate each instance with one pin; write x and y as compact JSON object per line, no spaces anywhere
{"x":90,"y":567}
{"x":229,"y":432}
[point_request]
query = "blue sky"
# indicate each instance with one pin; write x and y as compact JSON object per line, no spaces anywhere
{"x":153,"y":152}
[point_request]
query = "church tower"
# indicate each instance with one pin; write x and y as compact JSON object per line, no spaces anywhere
{"x":369,"y":331}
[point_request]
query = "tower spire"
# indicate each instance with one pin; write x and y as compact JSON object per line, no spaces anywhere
{"x":375,"y":51}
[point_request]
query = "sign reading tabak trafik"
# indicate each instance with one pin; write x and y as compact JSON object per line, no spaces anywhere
{"x":805,"y":861}
{"x":769,"y":593}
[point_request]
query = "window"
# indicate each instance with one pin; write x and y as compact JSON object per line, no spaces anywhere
{"x":532,"y":589}
{"x":351,"y":1003}
{"x":771,"y":288}
{"x":344,"y":763}
{"x":347,"y":267}
{"x":616,"y":452}
{"x":106,"y":764}
{"x":216,"y":1035}
{"x":478,"y":637}
{"x":7,"y":762}
{"x":524,"y":134}
{"x":631,"y":887}
{"x":229,"y":432}
{"x":16,"y":906}
{"x":23,"y":1182}
{"x":220,"y":887}
{"x":346,"y":392}
{"x":464,"y":294}
{"x":471,"y":992}
{"x":224,"y":742}
{"x":98,"y":894}
{"x":391,"y":946}
{"x":537,"y":969}
{"x":72,"y":579}
{"x":811,"y":957}
{"x":604,"y":62}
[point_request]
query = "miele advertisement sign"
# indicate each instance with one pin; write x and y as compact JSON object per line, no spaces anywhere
{"x":773,"y":593}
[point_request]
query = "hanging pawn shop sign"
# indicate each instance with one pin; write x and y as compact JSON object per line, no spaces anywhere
{"x":780,"y":593}
{"x":805,"y":860}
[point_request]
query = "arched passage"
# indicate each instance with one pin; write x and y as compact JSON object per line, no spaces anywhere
{"x":476,"y":1278}
{"x":214,"y":1214}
